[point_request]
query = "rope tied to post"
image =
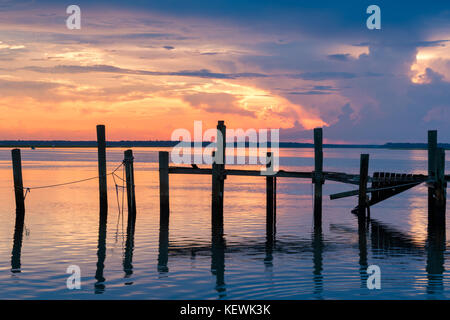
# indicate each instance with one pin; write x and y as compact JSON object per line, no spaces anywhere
{"x":28,"y":189}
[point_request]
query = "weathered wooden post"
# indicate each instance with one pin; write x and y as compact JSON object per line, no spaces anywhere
{"x":363,"y":179}
{"x":274,"y":205}
{"x":318,"y":178}
{"x":221,"y":149}
{"x":103,"y":191}
{"x":18,"y":181}
{"x":269,"y":199}
{"x":131,"y":197}
{"x":216,"y":213}
{"x":432,"y":147}
{"x":164,"y":209}
{"x":441,"y":184}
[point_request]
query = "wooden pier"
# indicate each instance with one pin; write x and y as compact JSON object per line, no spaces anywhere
{"x":370,"y":191}
{"x":384,"y":185}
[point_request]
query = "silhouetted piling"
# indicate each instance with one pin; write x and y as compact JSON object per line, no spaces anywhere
{"x":164,"y":209}
{"x":363,"y":179}
{"x":221,"y":148}
{"x":318,"y":178}
{"x":270,"y":230}
{"x":131,"y":196}
{"x":18,"y":181}
{"x":103,"y":191}
{"x":216,"y":212}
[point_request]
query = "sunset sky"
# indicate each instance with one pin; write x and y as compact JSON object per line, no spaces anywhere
{"x":146,"y":68}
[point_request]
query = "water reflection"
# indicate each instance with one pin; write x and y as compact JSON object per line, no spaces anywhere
{"x":101,"y":254}
{"x":435,"y":249}
{"x":17,"y":245}
{"x":362,"y":243}
{"x":129,"y":246}
{"x":218,"y":261}
{"x":318,"y":245}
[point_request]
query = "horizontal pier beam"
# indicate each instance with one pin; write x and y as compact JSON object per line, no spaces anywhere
{"x":332,"y":176}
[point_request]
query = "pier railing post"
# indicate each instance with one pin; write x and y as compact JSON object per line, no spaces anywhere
{"x":318,"y":178}
{"x":101,"y":149}
{"x":164,"y":209}
{"x":131,"y":197}
{"x":18,"y":181}
{"x":269,"y":200}
{"x":363,"y":179}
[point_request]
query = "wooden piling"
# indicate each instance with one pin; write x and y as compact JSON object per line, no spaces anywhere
{"x":164,"y":208}
{"x":216,"y":208}
{"x":318,"y":175}
{"x":269,"y":200}
{"x":129,"y":175}
{"x":101,"y":149}
{"x":18,"y":181}
{"x":221,"y":148}
{"x":274,"y":205}
{"x":363,"y":179}
{"x":432,"y":147}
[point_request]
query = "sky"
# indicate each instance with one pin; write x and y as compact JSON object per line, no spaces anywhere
{"x":147,"y":68}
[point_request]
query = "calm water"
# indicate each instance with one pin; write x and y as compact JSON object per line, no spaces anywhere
{"x":62,"y":229}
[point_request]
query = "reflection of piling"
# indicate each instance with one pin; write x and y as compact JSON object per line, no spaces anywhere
{"x":101,"y":150}
{"x":163,"y":255}
{"x":318,"y":178}
{"x":218,"y":262}
{"x":17,"y":245}
{"x":362,"y":243}
{"x":18,"y":181}
{"x":101,"y":255}
{"x":435,"y":261}
{"x":317,"y":245}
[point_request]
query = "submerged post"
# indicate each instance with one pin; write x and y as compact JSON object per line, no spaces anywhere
{"x":318,"y":175}
{"x":18,"y":181}
{"x":363,"y":179}
{"x":129,"y":174}
{"x":164,"y":189}
{"x":269,"y":200}
{"x":101,"y":149}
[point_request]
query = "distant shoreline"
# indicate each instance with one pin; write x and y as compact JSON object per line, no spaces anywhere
{"x":165,"y":144}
